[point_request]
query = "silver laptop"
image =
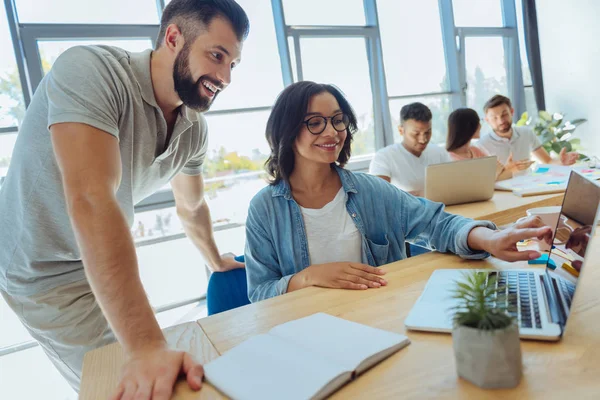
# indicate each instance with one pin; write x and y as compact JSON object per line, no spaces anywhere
{"x":463,"y":181}
{"x":541,"y":298}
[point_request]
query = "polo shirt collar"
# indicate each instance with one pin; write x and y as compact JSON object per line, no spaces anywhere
{"x":513,"y":138}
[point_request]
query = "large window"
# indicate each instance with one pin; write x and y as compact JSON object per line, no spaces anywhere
{"x":479,"y":13}
{"x":325,"y":13}
{"x":322,"y":62}
{"x":415,"y":69}
{"x":51,"y":49}
{"x":87,"y":12}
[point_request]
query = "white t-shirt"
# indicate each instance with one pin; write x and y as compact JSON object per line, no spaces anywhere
{"x":522,"y":143}
{"x":331,"y":233}
{"x":406,"y":170}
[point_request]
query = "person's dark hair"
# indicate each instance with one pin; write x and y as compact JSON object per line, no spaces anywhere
{"x":417,"y":111}
{"x":188,"y":15}
{"x":496,"y":101}
{"x":462,"y":126}
{"x":286,"y":121}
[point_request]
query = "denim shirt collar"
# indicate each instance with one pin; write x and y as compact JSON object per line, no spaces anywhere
{"x":283,"y":187}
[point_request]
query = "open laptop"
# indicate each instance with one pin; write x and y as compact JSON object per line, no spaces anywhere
{"x":462,"y":181}
{"x":542,"y":298}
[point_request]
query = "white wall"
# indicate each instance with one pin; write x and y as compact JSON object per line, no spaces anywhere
{"x":569,"y":32}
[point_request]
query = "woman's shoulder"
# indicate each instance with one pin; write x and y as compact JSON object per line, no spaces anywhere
{"x":479,"y":152}
{"x":263,"y":197}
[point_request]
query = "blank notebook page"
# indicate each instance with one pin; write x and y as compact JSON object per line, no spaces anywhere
{"x":344,"y":342}
{"x":266,"y":367}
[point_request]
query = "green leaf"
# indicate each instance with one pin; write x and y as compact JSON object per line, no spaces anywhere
{"x":568,"y":146}
{"x":523,"y":120}
{"x":579,"y":121}
{"x":545,"y":115}
{"x":575,"y":141}
{"x":556,"y":147}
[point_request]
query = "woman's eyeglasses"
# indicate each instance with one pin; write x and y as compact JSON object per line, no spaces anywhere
{"x":317,"y":124}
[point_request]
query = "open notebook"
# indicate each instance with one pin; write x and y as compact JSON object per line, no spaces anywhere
{"x":308,"y":358}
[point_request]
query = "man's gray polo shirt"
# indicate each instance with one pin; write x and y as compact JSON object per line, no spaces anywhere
{"x":110,"y":89}
{"x":522,"y":143}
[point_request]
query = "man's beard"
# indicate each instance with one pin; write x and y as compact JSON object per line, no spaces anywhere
{"x":188,"y":90}
{"x":503,"y":130}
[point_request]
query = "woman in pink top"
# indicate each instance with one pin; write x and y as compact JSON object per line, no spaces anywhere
{"x":464,"y":125}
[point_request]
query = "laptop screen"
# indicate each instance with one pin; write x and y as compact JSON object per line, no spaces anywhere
{"x":573,"y":232}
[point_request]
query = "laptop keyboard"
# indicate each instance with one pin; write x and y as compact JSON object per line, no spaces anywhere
{"x":568,"y":290}
{"x":522,"y":296}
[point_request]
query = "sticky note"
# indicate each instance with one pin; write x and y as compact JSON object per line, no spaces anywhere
{"x":553,"y":183}
{"x":540,"y":260}
{"x":542,"y":170}
{"x":551,"y":264}
{"x":567,"y":267}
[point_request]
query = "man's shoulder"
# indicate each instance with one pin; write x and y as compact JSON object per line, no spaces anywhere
{"x":524,"y":131}
{"x":391,"y":151}
{"x":94,"y":54}
{"x":435,"y":150}
{"x":485,"y":138}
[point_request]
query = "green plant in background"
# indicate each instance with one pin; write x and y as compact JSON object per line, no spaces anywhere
{"x":555,"y":132}
{"x":481,"y":305}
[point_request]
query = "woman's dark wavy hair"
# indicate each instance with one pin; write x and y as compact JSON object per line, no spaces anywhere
{"x":462,"y":125}
{"x":286,"y":121}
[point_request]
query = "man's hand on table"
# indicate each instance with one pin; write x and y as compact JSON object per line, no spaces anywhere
{"x":152,"y":373}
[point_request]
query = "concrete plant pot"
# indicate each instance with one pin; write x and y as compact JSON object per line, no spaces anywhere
{"x":488,"y":359}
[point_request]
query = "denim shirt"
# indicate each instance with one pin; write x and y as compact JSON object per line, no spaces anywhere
{"x":385,"y":216}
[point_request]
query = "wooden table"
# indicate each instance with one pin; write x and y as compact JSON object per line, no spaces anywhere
{"x":425,"y":369}
{"x":505,"y":207}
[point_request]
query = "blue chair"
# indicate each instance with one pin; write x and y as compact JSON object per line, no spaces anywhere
{"x":227,"y":290}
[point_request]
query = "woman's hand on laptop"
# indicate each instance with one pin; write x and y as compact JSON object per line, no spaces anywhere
{"x":534,"y":222}
{"x":503,"y":244}
{"x":344,"y":275}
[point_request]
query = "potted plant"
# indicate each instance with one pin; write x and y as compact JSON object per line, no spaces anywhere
{"x":487,"y":349}
{"x":554,"y":131}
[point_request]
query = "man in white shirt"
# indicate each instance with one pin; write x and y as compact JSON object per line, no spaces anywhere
{"x":403,"y":164}
{"x":514,"y":145}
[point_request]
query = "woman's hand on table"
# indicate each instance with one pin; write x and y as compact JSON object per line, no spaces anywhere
{"x":345,"y":275}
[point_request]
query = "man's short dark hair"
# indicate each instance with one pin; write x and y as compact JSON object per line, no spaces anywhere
{"x":286,"y":121}
{"x":188,"y":15}
{"x":496,"y":101}
{"x":417,"y":111}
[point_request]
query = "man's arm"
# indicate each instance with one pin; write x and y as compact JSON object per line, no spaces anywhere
{"x":197,"y":223}
{"x":385,"y":178}
{"x":90,"y":164}
{"x":564,"y":158}
{"x":542,"y":155}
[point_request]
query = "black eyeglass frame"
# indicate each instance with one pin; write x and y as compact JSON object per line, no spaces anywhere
{"x":345,"y":119}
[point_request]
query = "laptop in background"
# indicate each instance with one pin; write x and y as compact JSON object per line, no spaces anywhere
{"x":462,"y":181}
{"x":542,"y":298}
